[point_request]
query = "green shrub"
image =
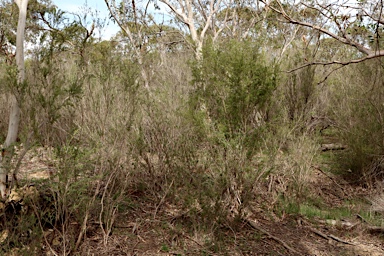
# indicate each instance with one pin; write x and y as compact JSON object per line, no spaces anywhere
{"x":233,"y":84}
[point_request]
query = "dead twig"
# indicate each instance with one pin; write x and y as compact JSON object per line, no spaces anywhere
{"x":328,"y":237}
{"x":255,"y":226}
{"x":162,"y":200}
{"x":362,"y":218}
{"x":332,"y":179}
{"x":85,"y":220}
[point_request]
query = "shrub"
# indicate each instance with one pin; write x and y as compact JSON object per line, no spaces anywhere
{"x":233,"y":84}
{"x":357,"y":111}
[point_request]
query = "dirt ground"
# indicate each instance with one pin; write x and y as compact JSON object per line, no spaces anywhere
{"x":290,"y":236}
{"x":148,"y":229}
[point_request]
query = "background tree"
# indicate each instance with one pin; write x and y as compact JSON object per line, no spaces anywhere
{"x":358,"y":24}
{"x":14,"y":116}
{"x":200,"y":18}
{"x":135,"y":22}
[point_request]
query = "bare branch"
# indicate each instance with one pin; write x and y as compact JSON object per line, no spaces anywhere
{"x":179,"y":14}
{"x":118,"y":21}
{"x":194,"y":13}
{"x":345,"y":40}
{"x":213,"y":6}
{"x":335,"y":62}
{"x":342,"y":23}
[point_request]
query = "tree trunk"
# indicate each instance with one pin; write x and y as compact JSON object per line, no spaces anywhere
{"x":14,"y":116}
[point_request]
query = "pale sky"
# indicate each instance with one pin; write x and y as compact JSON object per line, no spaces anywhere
{"x":76,"y":6}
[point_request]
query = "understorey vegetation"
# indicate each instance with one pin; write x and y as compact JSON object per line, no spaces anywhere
{"x":147,"y":144}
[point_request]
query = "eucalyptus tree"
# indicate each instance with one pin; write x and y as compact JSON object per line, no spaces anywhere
{"x":51,"y":34}
{"x":356,"y":24}
{"x":14,"y":116}
{"x":134,"y":19}
{"x":200,"y":18}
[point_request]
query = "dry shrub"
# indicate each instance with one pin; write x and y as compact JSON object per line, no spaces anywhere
{"x":377,"y":203}
{"x":300,"y":101}
{"x":299,"y":92}
{"x":288,"y":160}
{"x":113,"y":139}
{"x":49,"y":98}
{"x":295,"y":166}
{"x":357,"y":111}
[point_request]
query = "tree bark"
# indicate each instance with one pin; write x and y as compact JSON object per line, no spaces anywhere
{"x":14,"y":116}
{"x":184,"y":11}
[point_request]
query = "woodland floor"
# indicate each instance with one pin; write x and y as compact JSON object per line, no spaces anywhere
{"x":153,"y":229}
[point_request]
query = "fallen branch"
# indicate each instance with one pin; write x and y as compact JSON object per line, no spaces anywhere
{"x":340,"y":240}
{"x":328,"y":237}
{"x":362,"y":218}
{"x":255,"y":226}
{"x":370,"y":228}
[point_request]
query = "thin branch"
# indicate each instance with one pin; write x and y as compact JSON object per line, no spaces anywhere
{"x":287,"y":44}
{"x":343,"y":39}
{"x":255,"y":226}
{"x":180,"y":15}
{"x":162,"y":200}
{"x":127,"y":31}
{"x":213,"y":8}
{"x":329,"y":73}
{"x":332,"y":179}
{"x":20,"y":159}
{"x":336,"y":62}
{"x":85,"y":220}
{"x":327,"y":237}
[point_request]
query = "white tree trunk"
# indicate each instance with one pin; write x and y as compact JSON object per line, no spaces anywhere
{"x":184,"y":10}
{"x":14,"y":116}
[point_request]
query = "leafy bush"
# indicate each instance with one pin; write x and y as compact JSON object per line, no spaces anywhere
{"x":233,"y":84}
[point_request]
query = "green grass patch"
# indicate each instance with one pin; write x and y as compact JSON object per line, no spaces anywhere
{"x":311,"y":211}
{"x":317,"y":209}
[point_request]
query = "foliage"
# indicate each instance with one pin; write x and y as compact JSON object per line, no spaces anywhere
{"x":200,"y":141}
{"x":53,"y":89}
{"x":8,"y":24}
{"x":233,"y":84}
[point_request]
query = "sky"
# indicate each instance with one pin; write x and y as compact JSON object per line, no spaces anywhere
{"x":99,"y":5}
{"x":76,"y":6}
